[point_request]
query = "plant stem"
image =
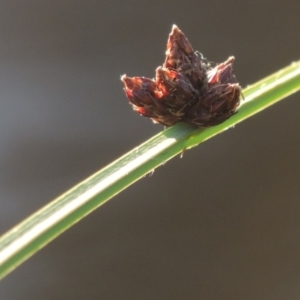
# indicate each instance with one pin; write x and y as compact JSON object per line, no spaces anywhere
{"x":35,"y":232}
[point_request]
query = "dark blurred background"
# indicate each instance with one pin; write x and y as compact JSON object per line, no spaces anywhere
{"x":221,"y":223}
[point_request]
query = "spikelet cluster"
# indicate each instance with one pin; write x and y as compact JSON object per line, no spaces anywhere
{"x":186,"y":88}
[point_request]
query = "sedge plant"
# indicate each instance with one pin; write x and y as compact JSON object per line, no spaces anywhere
{"x":28,"y":237}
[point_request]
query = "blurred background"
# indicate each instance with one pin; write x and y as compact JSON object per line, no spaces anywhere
{"x":221,"y":223}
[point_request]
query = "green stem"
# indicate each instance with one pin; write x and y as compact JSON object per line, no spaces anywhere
{"x":42,"y":227}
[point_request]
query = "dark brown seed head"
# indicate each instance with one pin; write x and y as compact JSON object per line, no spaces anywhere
{"x":180,"y":56}
{"x":222,"y":73}
{"x":151,"y":102}
{"x":217,"y":105}
{"x":186,"y":88}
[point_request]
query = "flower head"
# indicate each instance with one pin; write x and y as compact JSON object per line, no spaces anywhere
{"x":186,"y":88}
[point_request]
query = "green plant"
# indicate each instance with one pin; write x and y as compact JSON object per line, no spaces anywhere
{"x":42,"y":227}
